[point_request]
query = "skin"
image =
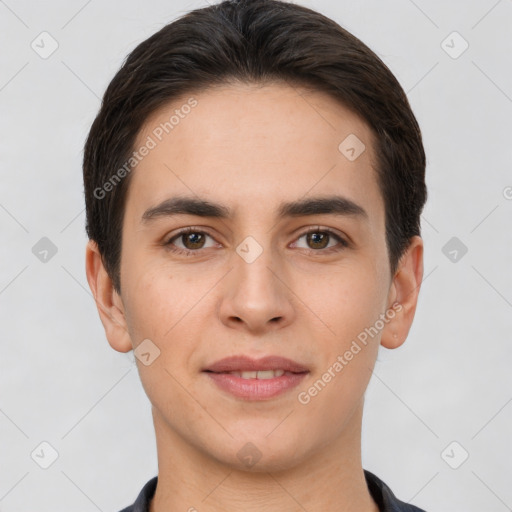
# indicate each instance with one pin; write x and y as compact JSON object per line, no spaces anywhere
{"x":250,"y":148}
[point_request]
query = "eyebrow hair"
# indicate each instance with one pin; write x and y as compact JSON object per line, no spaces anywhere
{"x":185,"y":205}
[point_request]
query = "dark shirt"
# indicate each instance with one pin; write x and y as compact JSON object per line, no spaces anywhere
{"x":380,"y":492}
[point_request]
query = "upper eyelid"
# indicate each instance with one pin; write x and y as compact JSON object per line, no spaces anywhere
{"x":343,"y":240}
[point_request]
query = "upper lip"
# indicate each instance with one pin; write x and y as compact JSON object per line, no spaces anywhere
{"x":243,"y":363}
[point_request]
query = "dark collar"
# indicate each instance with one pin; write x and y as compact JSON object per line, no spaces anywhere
{"x":384,"y":497}
{"x":380,"y":492}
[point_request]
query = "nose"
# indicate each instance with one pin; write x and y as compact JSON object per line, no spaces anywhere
{"x":255,"y":297}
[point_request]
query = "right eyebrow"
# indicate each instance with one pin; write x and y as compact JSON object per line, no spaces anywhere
{"x":186,"y":206}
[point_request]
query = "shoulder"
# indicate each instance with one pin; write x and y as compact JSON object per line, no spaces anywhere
{"x":141,"y":503}
{"x":384,"y":497}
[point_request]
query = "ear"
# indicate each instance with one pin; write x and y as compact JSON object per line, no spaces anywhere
{"x":109,"y":303}
{"x":403,"y":294}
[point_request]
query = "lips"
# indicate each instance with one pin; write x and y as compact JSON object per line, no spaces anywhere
{"x":242,"y":363}
{"x":256,"y":379}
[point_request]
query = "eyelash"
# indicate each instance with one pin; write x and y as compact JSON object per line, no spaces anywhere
{"x":188,"y":252}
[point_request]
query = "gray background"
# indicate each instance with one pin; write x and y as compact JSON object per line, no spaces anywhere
{"x":60,"y":381}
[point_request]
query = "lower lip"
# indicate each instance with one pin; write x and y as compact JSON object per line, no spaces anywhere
{"x":256,"y":389}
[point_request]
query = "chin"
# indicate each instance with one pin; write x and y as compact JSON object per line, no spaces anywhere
{"x":261,"y":456}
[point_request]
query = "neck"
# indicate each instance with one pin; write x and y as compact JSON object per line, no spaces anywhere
{"x":331,"y":478}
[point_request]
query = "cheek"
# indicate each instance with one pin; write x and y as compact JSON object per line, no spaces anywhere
{"x":152,"y":308}
{"x":348,"y":300}
{"x":166,"y":308}
{"x":155,"y":310}
{"x":350,"y":306}
{"x":145,"y":303}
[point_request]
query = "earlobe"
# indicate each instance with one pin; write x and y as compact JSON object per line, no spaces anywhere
{"x":108,"y":302}
{"x":403,"y":295}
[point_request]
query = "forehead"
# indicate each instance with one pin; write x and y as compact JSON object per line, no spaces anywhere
{"x":253,"y":146}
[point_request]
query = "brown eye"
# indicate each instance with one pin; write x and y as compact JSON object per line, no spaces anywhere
{"x":318,"y":239}
{"x":195,"y":239}
{"x":322,"y":241}
{"x":189,"y":241}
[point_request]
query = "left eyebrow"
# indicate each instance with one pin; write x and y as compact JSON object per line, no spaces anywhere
{"x":187,"y":205}
{"x":332,"y":205}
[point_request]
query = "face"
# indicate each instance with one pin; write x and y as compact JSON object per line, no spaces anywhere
{"x":262,"y":271}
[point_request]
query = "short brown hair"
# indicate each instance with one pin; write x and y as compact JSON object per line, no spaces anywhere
{"x":253,"y":41}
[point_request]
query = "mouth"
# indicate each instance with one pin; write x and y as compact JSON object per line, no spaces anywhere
{"x":259,"y":374}
{"x":256,"y":379}
{"x":242,"y":363}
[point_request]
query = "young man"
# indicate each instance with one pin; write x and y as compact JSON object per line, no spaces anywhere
{"x":254,"y":182}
